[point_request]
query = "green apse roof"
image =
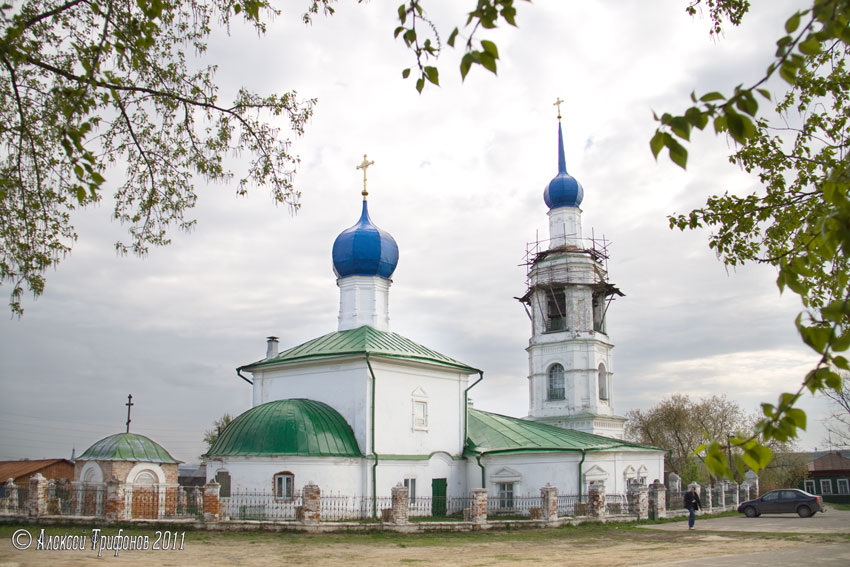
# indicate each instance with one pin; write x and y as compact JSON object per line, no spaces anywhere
{"x":360,"y":341}
{"x":288,"y":427}
{"x":127,"y":447}
{"x":494,"y":433}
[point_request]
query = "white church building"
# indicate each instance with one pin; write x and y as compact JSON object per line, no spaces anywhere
{"x":361,"y":409}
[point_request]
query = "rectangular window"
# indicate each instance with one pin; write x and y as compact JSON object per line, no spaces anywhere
{"x":420,"y":415}
{"x":826,"y":486}
{"x":809,"y":486}
{"x":284,"y":485}
{"x":556,"y":306}
{"x":843,"y":486}
{"x":506,"y":495}
{"x":410,"y":483}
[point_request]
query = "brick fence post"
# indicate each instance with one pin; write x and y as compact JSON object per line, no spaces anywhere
{"x":38,"y":495}
{"x":478,"y":512}
{"x":549,"y":498}
{"x":722,"y":495}
{"x":212,"y":504}
{"x":401,"y":503}
{"x":311,"y":499}
{"x":657,"y":500}
{"x":638,"y":499}
{"x":596,"y":507}
{"x":115,"y":508}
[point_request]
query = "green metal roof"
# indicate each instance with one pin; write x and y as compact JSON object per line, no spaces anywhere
{"x":288,"y":427}
{"x":360,"y":341}
{"x":127,"y":447}
{"x":494,"y":433}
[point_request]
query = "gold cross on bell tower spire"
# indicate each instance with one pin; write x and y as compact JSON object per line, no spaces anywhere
{"x":558,"y":103}
{"x":364,"y":166}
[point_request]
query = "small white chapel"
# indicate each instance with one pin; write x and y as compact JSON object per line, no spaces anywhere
{"x":361,"y":409}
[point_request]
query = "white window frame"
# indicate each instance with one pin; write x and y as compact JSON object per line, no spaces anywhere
{"x":809,"y":486}
{"x":551,"y":376}
{"x":602,"y":383}
{"x":826,"y":486}
{"x":843,"y":485}
{"x":284,"y":485}
{"x":420,"y":415}
{"x":506,"y":492}
{"x":410,"y":484}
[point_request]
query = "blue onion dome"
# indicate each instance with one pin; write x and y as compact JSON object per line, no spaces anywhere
{"x":564,"y":190}
{"x":365,"y":250}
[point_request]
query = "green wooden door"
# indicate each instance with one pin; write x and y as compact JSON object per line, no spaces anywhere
{"x":438,"y":497}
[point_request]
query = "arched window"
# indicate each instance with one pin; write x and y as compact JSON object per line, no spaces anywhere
{"x":556,"y":382}
{"x":603,"y":383}
{"x":284,"y":485}
{"x":145,"y":477}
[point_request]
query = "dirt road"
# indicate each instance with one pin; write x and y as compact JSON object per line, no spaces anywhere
{"x":601,"y":546}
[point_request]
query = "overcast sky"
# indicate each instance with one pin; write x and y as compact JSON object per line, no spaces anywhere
{"x":458,"y":181}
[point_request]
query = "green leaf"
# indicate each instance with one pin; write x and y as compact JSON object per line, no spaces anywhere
{"x":656,"y":143}
{"x":811,"y":46}
{"x":487,"y":61}
{"x":797,"y":417}
{"x":792,"y":23}
{"x":465,"y":63}
{"x":432,"y":75}
{"x":420,"y":84}
{"x":451,"y":40}
{"x":678,"y":153}
{"x":708,"y":97}
{"x":490,"y":47}
{"x":681,"y":127}
{"x":764,"y":92}
{"x":841,"y":362}
{"x":405,"y":73}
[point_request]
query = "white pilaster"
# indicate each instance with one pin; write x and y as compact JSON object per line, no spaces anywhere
{"x":364,"y":300}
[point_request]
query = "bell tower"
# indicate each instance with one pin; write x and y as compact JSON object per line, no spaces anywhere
{"x":571,"y":378}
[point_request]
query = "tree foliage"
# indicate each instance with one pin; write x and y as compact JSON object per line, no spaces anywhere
{"x":88,"y":84}
{"x":786,"y":469}
{"x":838,"y":423}
{"x":800,"y":221}
{"x":211,"y":435}
{"x":680,"y":425}
{"x":426,"y":44}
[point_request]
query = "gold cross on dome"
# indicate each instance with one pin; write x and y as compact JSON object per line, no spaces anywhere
{"x":364,"y":166}
{"x":558,"y":103}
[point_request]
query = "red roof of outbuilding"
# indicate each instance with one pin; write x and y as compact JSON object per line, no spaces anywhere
{"x":17,"y":469}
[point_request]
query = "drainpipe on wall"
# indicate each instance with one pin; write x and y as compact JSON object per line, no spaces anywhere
{"x":372,"y":442}
{"x":483,"y":474}
{"x":580,"y":463}
{"x":466,"y":403}
{"x":239,"y":373}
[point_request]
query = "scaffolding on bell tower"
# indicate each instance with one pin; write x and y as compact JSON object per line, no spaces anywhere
{"x":549,"y":269}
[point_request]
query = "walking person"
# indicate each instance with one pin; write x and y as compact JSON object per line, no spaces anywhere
{"x":692,"y":504}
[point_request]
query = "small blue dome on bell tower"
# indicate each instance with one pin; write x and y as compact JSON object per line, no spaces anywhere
{"x":564,"y":190}
{"x":365,"y":250}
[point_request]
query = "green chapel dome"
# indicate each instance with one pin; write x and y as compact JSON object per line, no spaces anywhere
{"x":127,"y":447}
{"x":288,"y":427}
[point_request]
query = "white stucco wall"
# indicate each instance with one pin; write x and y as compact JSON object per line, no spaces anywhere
{"x":335,"y":475}
{"x":532,"y":471}
{"x":342,"y":384}
{"x":399,"y":384}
